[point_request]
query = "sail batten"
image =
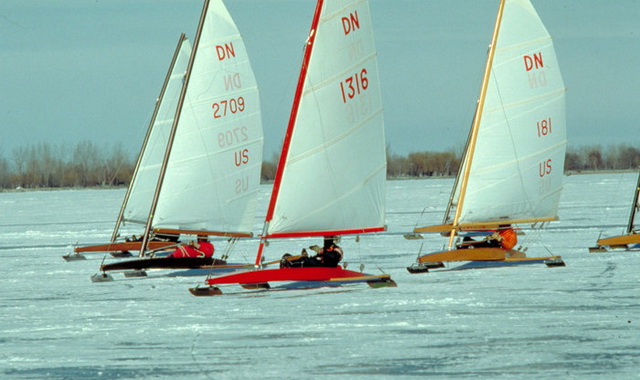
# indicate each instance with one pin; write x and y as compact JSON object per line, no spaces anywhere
{"x":552,"y":96}
{"x":520,"y":159}
{"x":536,"y":42}
{"x":336,"y":139}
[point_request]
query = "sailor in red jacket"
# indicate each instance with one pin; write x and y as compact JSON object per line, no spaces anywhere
{"x":201,"y":248}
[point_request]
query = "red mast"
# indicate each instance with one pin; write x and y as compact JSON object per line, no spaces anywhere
{"x":292,"y":121}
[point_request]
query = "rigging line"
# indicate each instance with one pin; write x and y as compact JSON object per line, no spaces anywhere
{"x":223,"y":257}
{"x":359,"y":249}
{"x":227,"y":251}
{"x":513,"y":144}
{"x":424,"y":209}
{"x":534,"y":236}
{"x":290,"y":86}
{"x":130,"y":146}
{"x":243,"y":255}
{"x":119,"y":160}
{"x":609,"y":210}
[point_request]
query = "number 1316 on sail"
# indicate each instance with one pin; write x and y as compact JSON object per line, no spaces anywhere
{"x":354,"y":85}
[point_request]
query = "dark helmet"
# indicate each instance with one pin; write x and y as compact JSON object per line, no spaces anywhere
{"x":329,"y":241}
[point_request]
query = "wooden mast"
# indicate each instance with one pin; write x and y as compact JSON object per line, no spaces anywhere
{"x":172,"y":133}
{"x":634,"y":207}
{"x":476,"y":123}
{"x":290,"y":127}
{"x":146,"y":137}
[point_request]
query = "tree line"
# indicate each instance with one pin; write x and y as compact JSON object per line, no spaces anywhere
{"x":88,"y":165}
{"x":85,"y":165}
{"x":617,"y":157}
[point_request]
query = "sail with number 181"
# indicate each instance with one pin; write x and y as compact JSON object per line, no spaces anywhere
{"x":513,"y":164}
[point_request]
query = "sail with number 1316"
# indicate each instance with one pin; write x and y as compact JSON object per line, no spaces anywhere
{"x":331,"y":173}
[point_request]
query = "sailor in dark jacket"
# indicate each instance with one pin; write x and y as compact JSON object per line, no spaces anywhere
{"x":328,"y":256}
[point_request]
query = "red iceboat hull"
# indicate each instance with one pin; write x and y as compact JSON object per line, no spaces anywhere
{"x":294,"y":274}
{"x":164,"y":263}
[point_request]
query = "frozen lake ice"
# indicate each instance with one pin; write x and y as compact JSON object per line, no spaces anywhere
{"x":580,"y":321}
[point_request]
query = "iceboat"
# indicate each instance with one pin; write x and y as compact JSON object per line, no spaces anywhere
{"x":331,"y":174}
{"x":202,"y":178}
{"x":630,"y":240}
{"x":512,"y":168}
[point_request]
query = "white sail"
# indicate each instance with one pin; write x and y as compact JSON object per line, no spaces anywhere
{"x":334,"y":174}
{"x":144,"y":183}
{"x":517,"y":168}
{"x":213,"y":172}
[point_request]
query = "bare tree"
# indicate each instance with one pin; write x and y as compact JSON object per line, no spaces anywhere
{"x":5,"y":173}
{"x":86,"y":162}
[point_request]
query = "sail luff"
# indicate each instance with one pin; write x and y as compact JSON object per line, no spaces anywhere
{"x":635,"y":207}
{"x":174,"y":126}
{"x":292,"y":120}
{"x":114,"y":235}
{"x":476,"y":122}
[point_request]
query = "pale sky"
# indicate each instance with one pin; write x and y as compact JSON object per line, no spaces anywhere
{"x":75,"y":70}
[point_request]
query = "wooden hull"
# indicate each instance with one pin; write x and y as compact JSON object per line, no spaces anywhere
{"x":471,"y":254}
{"x":476,"y":258}
{"x":164,"y":263}
{"x":301,"y":278}
{"x":623,"y":241}
{"x":550,"y":261}
{"x":124,"y":246}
